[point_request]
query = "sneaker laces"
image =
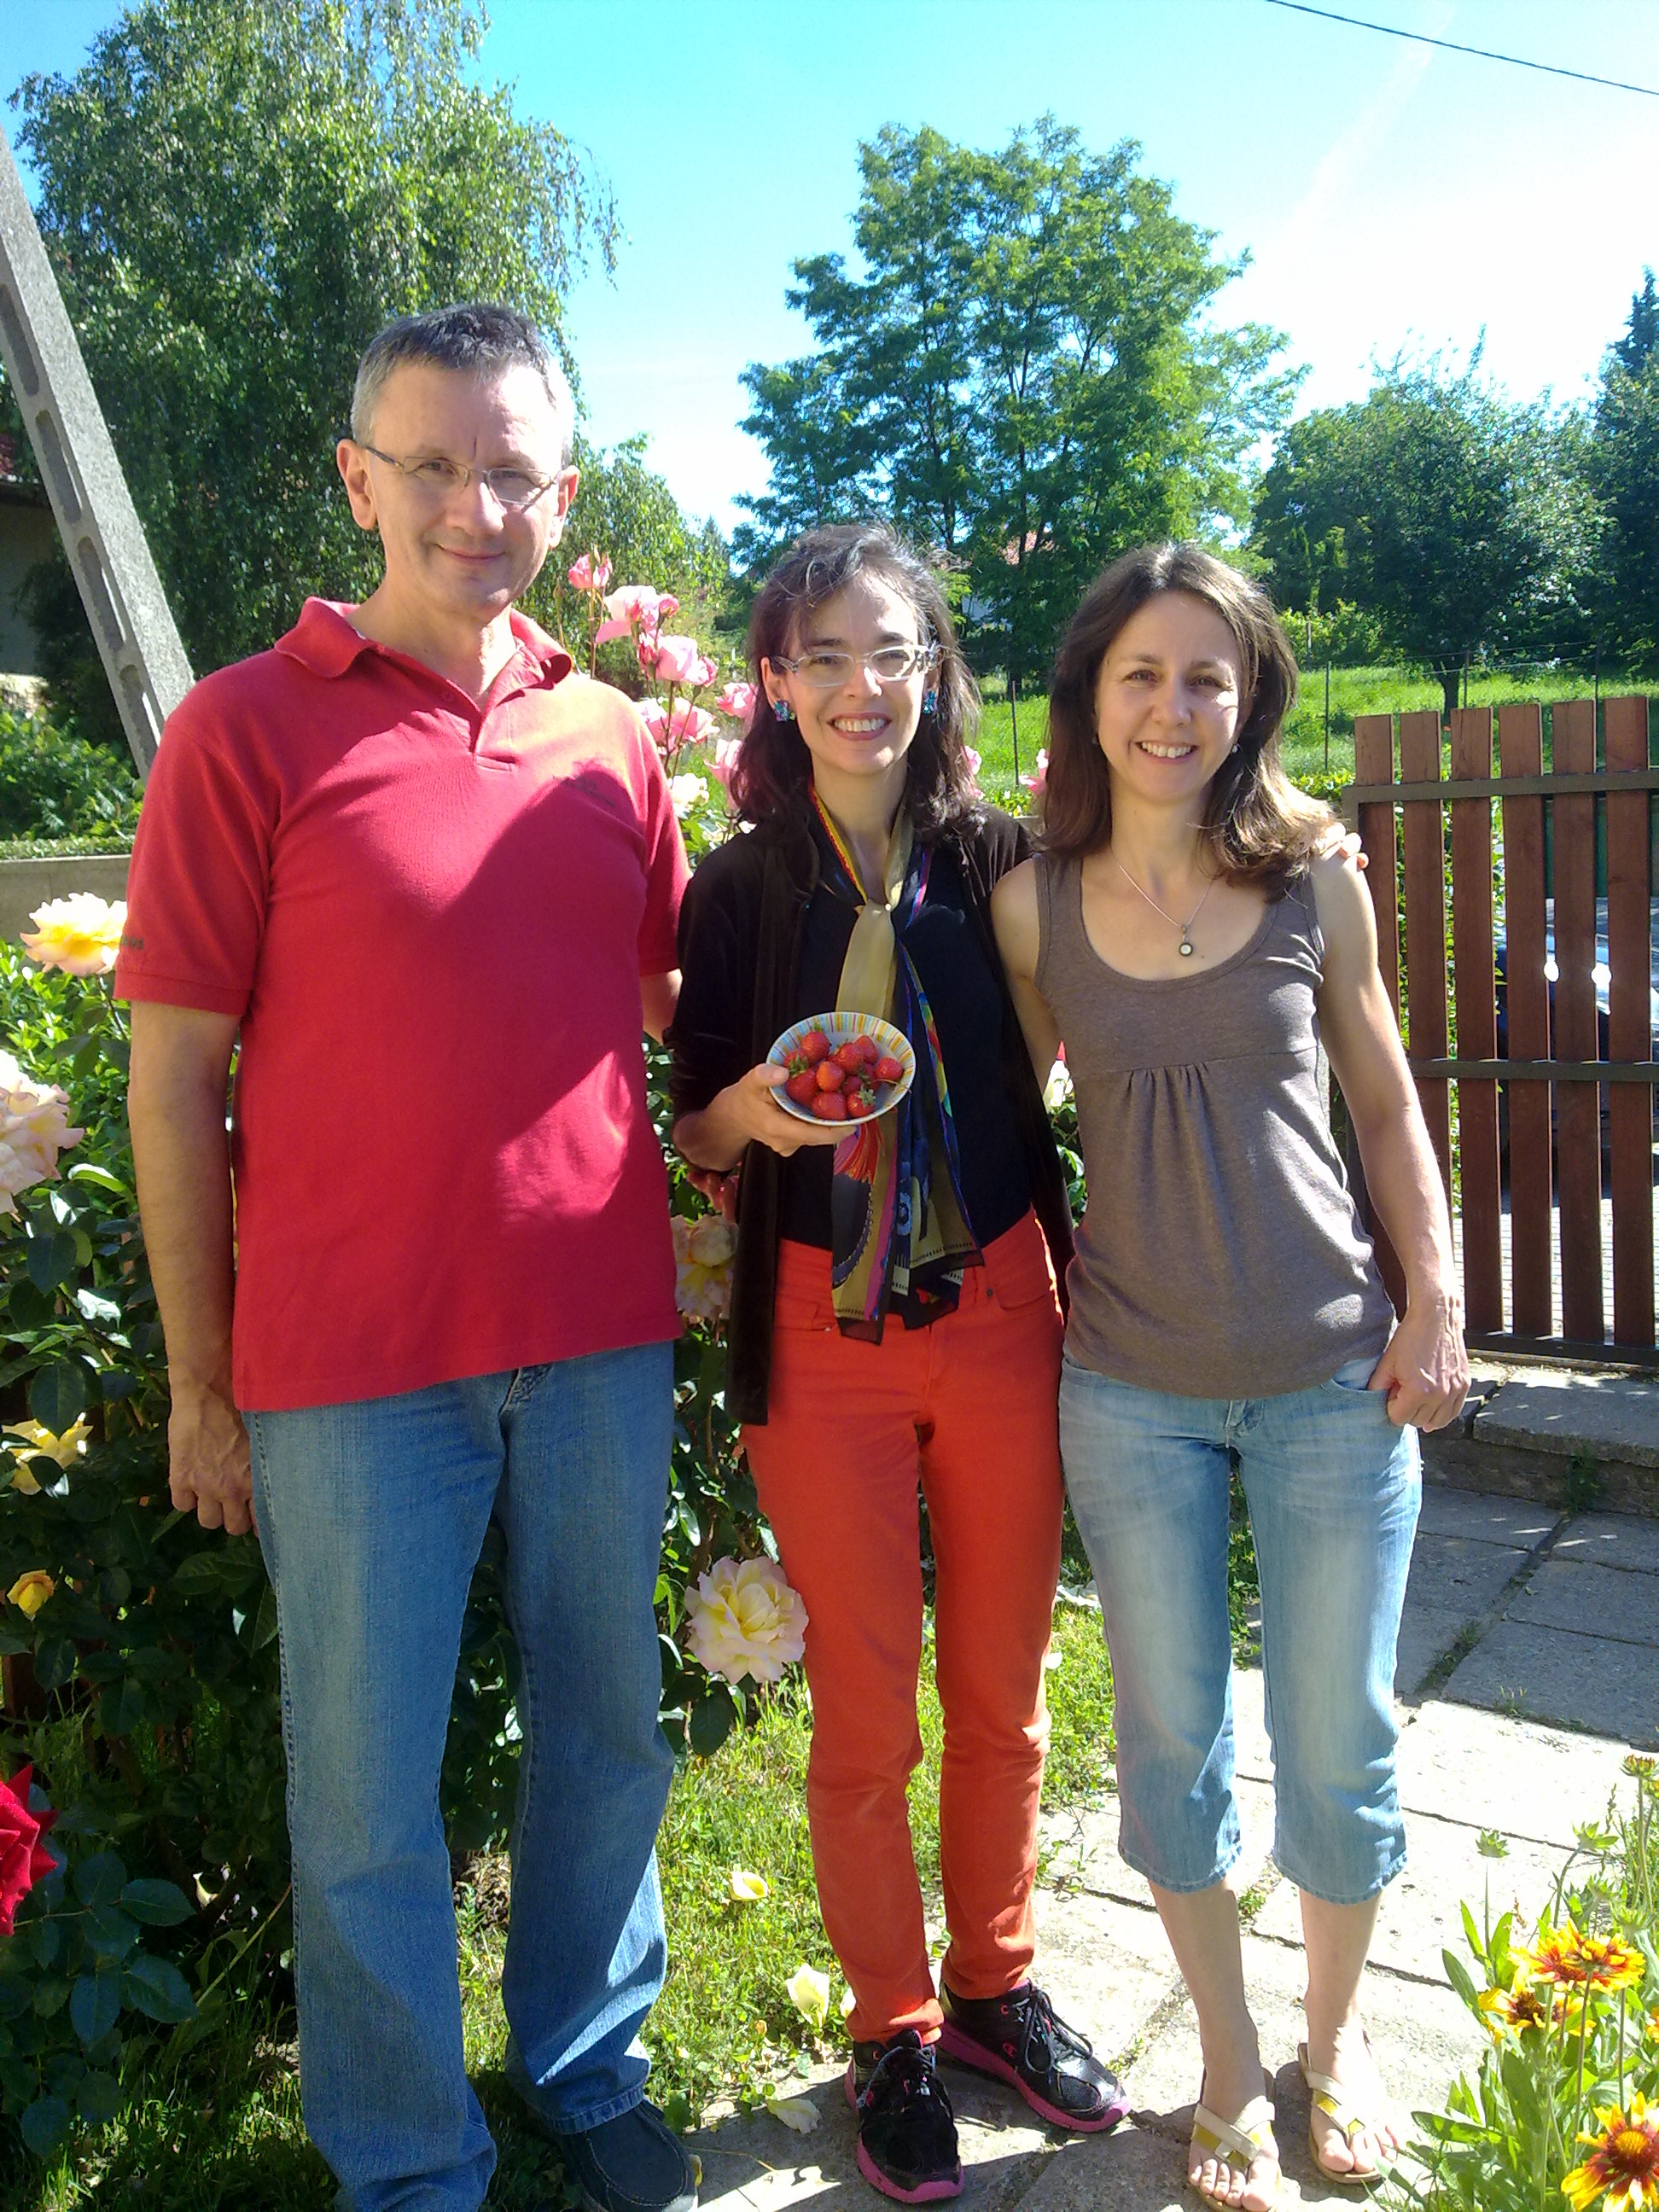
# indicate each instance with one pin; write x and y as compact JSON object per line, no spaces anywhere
{"x":905,"y":2074}
{"x":1047,"y":2036}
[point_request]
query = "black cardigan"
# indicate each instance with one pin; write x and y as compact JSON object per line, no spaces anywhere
{"x":760,"y":883}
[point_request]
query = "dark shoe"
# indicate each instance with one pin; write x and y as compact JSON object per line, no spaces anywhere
{"x":907,"y":2132}
{"x":634,"y":2163}
{"x":1018,"y":2038}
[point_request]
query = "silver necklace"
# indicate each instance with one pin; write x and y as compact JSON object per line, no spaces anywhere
{"x":1185,"y":948}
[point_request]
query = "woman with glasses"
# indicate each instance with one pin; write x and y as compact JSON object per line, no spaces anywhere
{"x":895,"y":1319}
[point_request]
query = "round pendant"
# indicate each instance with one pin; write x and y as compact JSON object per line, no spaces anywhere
{"x":1186,"y":950}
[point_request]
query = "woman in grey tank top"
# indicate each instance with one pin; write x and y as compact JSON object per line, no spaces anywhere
{"x":1187,"y":937}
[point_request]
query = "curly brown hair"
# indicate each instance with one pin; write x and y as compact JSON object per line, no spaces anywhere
{"x":1258,"y":826}
{"x":773,"y":770}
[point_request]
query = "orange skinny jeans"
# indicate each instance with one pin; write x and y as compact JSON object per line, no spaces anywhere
{"x":968,"y":1408}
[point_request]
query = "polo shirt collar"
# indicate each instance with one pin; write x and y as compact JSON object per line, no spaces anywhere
{"x":325,"y":640}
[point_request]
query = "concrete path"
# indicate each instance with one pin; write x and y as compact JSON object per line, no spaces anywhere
{"x":1529,"y":1663}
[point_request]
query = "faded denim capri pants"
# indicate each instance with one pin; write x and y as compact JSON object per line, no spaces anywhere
{"x":1333,"y":1488}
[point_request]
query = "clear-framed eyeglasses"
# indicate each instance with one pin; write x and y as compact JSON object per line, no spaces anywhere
{"x":888,"y":664}
{"x":509,"y":487}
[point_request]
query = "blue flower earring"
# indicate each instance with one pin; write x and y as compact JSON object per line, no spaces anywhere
{"x":782,"y":710}
{"x":930,"y":701}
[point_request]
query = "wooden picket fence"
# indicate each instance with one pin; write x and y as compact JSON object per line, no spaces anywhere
{"x":1552,"y":1083}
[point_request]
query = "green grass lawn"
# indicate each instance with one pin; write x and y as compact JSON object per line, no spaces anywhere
{"x":219,"y":2129}
{"x":1353,"y":691}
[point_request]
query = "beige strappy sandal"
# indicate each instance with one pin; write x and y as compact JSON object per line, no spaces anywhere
{"x":1330,"y":2098}
{"x":1239,"y":2141}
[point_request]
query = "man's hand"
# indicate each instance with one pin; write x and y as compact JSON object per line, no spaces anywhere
{"x":210,"y":1470}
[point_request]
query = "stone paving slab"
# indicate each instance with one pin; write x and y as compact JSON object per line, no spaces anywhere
{"x":755,"y":2162}
{"x":1107,"y":1965}
{"x":1488,"y":1771}
{"x":1564,"y":1680}
{"x":1079,"y":1847}
{"x":1614,"y":1540}
{"x":1519,"y":1523}
{"x":1455,"y":1574}
{"x":1422,"y":2035}
{"x":1609,"y":1416}
{"x":1419,"y":1915}
{"x":1619,"y":1603}
{"x":1427,"y":1633}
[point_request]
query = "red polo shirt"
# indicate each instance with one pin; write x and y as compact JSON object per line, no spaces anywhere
{"x":431,"y":918}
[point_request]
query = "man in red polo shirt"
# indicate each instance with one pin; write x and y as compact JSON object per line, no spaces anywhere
{"x":431,"y":876}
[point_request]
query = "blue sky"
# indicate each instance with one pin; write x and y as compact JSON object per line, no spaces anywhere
{"x":1389,"y":194}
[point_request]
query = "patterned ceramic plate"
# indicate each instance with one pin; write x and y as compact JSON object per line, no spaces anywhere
{"x":838,"y":1027}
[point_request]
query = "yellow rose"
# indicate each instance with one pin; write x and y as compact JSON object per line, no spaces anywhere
{"x":30,"y":1591}
{"x":81,"y":934}
{"x":808,"y":1992}
{"x":702,"y":1266}
{"x":40,"y":1442}
{"x":33,"y":1129}
{"x":742,"y":1618}
{"x":749,"y":1888}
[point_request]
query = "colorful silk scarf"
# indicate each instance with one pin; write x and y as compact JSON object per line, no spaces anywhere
{"x":899,"y":1230}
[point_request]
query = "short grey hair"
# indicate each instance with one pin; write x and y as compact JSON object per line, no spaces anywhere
{"x":475,"y":339}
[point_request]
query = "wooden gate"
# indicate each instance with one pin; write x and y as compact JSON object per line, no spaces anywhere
{"x":1530,"y":1126}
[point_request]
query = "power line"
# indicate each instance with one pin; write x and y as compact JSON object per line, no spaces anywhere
{"x":1451,"y":46}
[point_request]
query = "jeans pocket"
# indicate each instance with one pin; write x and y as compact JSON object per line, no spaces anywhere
{"x":807,"y":1312}
{"x":1354,"y":1377}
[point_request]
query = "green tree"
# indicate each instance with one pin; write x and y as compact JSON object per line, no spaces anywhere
{"x":1624,"y":468}
{"x":1460,"y":520}
{"x":236,"y":195}
{"x":1018,"y":371}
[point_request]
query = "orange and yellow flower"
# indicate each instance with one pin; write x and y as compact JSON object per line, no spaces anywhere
{"x":1623,"y":2166}
{"x":1573,"y":1960}
{"x":1517,"y":2009}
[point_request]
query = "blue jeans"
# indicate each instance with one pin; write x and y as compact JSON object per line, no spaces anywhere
{"x":371,"y":1516}
{"x":1334,"y":1489}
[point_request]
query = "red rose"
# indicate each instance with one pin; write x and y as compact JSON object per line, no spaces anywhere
{"x":23,"y":1858}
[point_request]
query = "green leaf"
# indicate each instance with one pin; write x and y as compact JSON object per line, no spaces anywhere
{"x":711,"y":1722}
{"x":125,"y":1707}
{"x":54,"y":1662}
{"x":157,"y":1903}
{"x":156,"y":1988}
{"x":1458,"y":1975}
{"x":264,"y":1620}
{"x":45,"y":2124}
{"x":50,"y":1996}
{"x":101,"y":1878}
{"x":1472,"y":1935}
{"x":95,"y":2005}
{"x":99,"y":2100}
{"x":30,"y":1310}
{"x":57,"y":1395}
{"x":110,"y":1934}
{"x":86,"y":1171}
{"x":52,"y":1259}
{"x":201,"y":1574}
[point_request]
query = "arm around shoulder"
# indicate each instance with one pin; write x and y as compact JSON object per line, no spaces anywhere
{"x":1018,"y":930}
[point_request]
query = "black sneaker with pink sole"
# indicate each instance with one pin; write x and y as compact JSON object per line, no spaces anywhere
{"x":907,"y":2131}
{"x":1019,"y":2040}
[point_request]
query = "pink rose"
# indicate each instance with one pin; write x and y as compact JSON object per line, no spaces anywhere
{"x":23,"y":1859}
{"x":737,"y":700}
{"x":973,"y":760}
{"x":724,"y":758}
{"x":677,"y":659}
{"x":1037,"y":782}
{"x":33,"y":1129}
{"x":629,"y":606}
{"x":667,"y":607}
{"x":589,"y":572}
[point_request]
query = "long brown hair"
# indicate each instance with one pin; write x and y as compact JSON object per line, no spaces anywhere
{"x":1258,"y":826}
{"x":773,"y":770}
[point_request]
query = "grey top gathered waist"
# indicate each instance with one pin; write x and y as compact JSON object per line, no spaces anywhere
{"x":1220,"y":1256}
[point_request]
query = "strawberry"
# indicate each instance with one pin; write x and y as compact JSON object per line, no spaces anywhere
{"x":888,"y":1069}
{"x":816,"y":1046}
{"x":869,"y":1050}
{"x":804,"y":1087}
{"x":848,"y":1057}
{"x":830,"y":1106}
{"x":828,"y":1076}
{"x":858,"y":1105}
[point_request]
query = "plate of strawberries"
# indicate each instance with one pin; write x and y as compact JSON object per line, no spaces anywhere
{"x":843,"y":1068}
